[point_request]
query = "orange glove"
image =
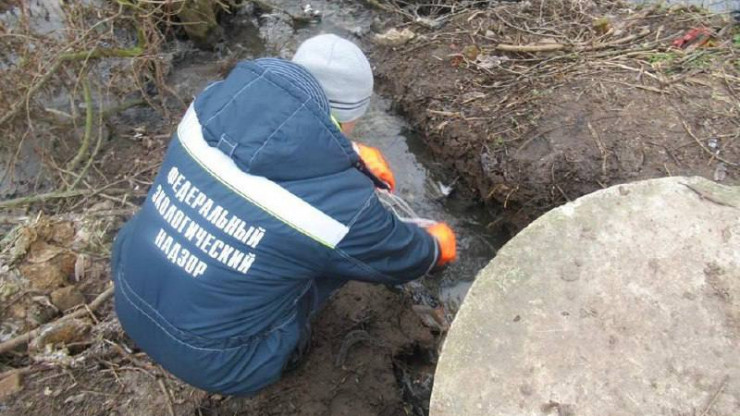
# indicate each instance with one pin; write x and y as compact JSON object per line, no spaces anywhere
{"x":376,"y":164}
{"x":445,"y":240}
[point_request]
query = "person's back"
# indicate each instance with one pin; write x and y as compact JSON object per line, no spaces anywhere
{"x":258,"y":212}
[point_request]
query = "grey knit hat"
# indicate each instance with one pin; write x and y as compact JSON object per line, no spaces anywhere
{"x":343,"y":72}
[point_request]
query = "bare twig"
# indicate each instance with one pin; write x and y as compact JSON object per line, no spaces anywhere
{"x":49,"y":73}
{"x":704,"y":197}
{"x":25,"y":370}
{"x":642,"y":87}
{"x":93,"y":155}
{"x":548,"y":47}
{"x":30,"y":335}
{"x":167,"y":396}
{"x":617,"y":42}
{"x":706,"y":149}
{"x":32,"y":199}
{"x":98,"y":53}
{"x":600,"y":145}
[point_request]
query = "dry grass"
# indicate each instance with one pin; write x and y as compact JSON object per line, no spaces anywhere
{"x":68,"y":82}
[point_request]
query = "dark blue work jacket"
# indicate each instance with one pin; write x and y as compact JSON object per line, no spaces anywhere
{"x":258,"y":197}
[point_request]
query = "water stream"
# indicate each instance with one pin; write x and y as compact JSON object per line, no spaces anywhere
{"x":421,"y":182}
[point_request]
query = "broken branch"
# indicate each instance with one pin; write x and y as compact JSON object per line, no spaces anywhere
{"x":26,"y":200}
{"x":28,"y":336}
{"x":72,"y":165}
{"x":550,"y":47}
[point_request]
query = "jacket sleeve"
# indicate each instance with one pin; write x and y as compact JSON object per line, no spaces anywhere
{"x":382,"y":249}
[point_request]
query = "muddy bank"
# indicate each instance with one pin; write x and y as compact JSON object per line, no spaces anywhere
{"x":537,"y":103}
{"x":371,"y":353}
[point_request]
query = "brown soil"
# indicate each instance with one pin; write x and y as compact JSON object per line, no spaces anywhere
{"x":105,"y":374}
{"x":529,"y":131}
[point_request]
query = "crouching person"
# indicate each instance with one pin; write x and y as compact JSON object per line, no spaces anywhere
{"x":261,"y":209}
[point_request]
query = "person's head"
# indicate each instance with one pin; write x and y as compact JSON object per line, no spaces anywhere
{"x":343,"y":72}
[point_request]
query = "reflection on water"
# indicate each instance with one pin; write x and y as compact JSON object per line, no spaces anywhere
{"x":421,"y":183}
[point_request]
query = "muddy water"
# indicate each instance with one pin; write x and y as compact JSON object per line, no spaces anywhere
{"x":424,"y":185}
{"x":421,"y":181}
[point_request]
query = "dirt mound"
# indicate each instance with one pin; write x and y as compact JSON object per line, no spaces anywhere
{"x":537,"y":103}
{"x":48,"y":269}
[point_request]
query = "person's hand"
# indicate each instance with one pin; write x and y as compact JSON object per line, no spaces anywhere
{"x":376,"y":164}
{"x":445,"y":241}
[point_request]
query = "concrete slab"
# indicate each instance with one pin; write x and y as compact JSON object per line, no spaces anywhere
{"x":623,"y":302}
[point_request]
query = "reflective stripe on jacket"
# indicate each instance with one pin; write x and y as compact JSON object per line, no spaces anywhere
{"x":256,"y":198}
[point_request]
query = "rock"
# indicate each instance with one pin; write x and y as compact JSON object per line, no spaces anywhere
{"x":65,"y":332}
{"x":623,"y":302}
{"x":67,"y":298}
{"x":47,"y":267}
{"x":42,"y":17}
{"x":394,"y":37}
{"x":10,"y":385}
{"x":42,"y":252}
{"x":42,"y":276}
{"x":39,"y":311}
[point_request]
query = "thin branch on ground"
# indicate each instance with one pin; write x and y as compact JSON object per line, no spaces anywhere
{"x":20,"y":340}
{"x":85,"y":144}
{"x":94,"y":153}
{"x":705,"y":148}
{"x":32,"y":199}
